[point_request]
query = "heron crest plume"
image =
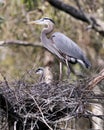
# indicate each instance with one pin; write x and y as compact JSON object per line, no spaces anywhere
{"x":46,"y":18}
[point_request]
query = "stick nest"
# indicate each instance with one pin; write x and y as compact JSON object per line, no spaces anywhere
{"x":46,"y":105}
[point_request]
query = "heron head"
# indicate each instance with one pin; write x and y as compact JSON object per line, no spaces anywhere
{"x":43,"y":21}
{"x":39,"y":71}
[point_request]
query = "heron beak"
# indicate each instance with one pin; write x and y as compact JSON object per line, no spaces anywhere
{"x":35,"y":22}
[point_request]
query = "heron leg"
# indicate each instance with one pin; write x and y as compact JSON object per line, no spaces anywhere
{"x":68,"y":68}
{"x":60,"y":76}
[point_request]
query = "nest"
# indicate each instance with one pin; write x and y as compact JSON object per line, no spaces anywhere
{"x":44,"y":106}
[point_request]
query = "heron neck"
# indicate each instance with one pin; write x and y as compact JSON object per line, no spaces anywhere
{"x":45,"y":32}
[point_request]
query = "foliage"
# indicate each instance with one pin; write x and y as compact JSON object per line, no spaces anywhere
{"x":15,"y":27}
{"x":19,"y":62}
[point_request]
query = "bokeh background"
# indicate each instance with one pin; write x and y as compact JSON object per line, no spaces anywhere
{"x":16,"y":60}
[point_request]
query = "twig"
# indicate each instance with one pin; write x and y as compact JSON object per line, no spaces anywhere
{"x":96,"y":24}
{"x":19,"y":42}
{"x":15,"y":123}
{"x":43,"y":118}
{"x":90,"y":114}
{"x":96,"y":80}
{"x":78,"y":5}
{"x":66,"y":118}
{"x":27,"y":16}
{"x":25,"y":121}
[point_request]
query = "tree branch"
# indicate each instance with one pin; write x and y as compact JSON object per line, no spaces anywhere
{"x":8,"y":108}
{"x":96,"y":80}
{"x":95,"y":24}
{"x":68,"y":9}
{"x":18,"y":42}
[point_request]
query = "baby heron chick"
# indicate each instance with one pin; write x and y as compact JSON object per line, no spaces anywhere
{"x":45,"y":74}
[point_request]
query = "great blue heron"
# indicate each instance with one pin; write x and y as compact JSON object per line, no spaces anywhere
{"x":61,"y":46}
{"x":45,"y":74}
{"x":40,"y":71}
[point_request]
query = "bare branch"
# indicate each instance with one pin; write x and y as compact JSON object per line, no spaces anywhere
{"x":43,"y":118}
{"x":21,"y":43}
{"x":78,"y":4}
{"x":68,"y":9}
{"x":96,"y":80}
{"x":39,"y":105}
{"x":95,"y":24}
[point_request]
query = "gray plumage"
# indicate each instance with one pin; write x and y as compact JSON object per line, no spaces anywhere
{"x":60,"y":45}
{"x":69,"y":48}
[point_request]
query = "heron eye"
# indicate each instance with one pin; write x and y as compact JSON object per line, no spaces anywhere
{"x":38,"y":69}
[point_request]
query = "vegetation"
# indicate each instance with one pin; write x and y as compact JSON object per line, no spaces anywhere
{"x":14,"y":27}
{"x":21,"y":51}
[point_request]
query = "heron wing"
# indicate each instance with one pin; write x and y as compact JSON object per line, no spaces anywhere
{"x":69,"y":48}
{"x":66,"y":46}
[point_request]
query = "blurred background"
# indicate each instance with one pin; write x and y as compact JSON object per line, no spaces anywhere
{"x":16,"y":60}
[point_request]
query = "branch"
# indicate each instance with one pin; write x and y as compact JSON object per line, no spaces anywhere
{"x":43,"y":118}
{"x":96,"y":80}
{"x":18,"y":42}
{"x":8,"y":108}
{"x":95,"y":24}
{"x":68,"y":9}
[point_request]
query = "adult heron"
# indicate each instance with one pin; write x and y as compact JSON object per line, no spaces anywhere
{"x":61,"y":46}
